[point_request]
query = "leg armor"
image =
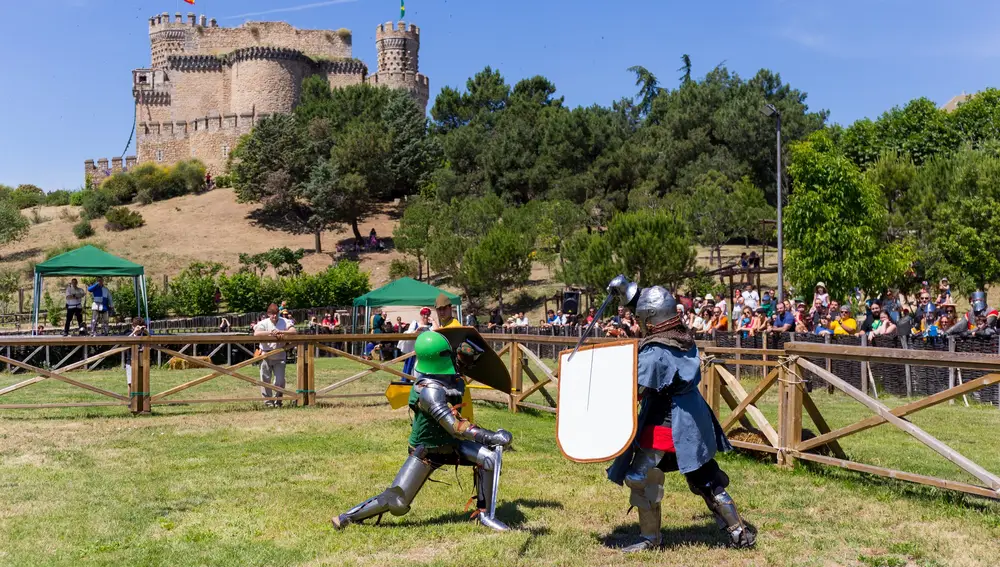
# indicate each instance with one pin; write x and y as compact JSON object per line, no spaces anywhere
{"x":646,"y":484}
{"x":397,"y":498}
{"x":710,"y":483}
{"x":484,"y":479}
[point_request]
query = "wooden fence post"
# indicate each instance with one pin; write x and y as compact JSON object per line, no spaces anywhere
{"x":789,"y":413}
{"x":144,"y":372}
{"x":714,"y":388}
{"x":516,"y":374}
{"x":311,"y":376}
{"x":135,"y":384}
{"x":951,"y":369}
{"x":301,"y":374}
{"x":905,"y":343}
{"x":864,"y":375}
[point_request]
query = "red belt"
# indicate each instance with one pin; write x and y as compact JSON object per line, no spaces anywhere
{"x":657,"y":437}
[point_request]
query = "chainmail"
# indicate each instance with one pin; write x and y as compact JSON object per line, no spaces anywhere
{"x":677,"y":337}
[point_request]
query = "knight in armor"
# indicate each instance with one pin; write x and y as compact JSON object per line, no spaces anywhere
{"x":980,"y":321}
{"x":439,"y":437}
{"x":677,"y":430}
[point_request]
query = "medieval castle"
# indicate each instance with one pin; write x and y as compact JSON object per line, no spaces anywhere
{"x":207,"y":85}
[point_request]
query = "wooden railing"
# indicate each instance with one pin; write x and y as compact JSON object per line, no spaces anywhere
{"x":790,"y":373}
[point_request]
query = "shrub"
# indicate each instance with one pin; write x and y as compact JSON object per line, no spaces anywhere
{"x":58,"y":198}
{"x":53,"y":311}
{"x":223,"y":181}
{"x":187,"y":177}
{"x":338,"y":285}
{"x":121,"y":188}
{"x":76,"y":198}
{"x":83,"y":229}
{"x":36,"y":216}
{"x":193,"y":290}
{"x":96,"y":203}
{"x":65,"y":247}
{"x":68,"y":215}
{"x":123,"y":297}
{"x":121,"y":218}
{"x":27,"y":196}
{"x":402,"y":269}
{"x":245,"y":292}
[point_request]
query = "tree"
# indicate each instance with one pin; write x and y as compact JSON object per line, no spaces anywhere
{"x":835,"y":225}
{"x":710,"y":211}
{"x":654,"y":247}
{"x":360,"y":161}
{"x":590,"y":262}
{"x":13,"y":225}
{"x":748,"y":207}
{"x":267,"y":165}
{"x":649,"y":88}
{"x":685,"y":69}
{"x":193,"y":290}
{"x":500,"y":262}
{"x":412,"y":235}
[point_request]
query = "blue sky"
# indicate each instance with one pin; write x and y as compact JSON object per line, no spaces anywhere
{"x":65,"y":68}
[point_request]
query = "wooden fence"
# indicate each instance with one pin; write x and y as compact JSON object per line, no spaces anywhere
{"x":791,"y":373}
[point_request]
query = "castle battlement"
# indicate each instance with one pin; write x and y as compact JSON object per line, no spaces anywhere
{"x":178,"y":130}
{"x":393,"y":29}
{"x":161,"y":22}
{"x":99,"y":171}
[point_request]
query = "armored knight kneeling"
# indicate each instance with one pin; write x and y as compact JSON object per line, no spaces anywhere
{"x":677,"y":430}
{"x":439,"y":437}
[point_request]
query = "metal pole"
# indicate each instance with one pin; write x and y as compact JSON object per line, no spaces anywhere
{"x":781,"y":247}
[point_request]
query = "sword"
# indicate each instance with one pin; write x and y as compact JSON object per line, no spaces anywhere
{"x":497,"y":462}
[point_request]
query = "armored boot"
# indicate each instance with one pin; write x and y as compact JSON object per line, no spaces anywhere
{"x":741,"y":535}
{"x":649,"y":530}
{"x":396,"y":499}
{"x":483,"y":476}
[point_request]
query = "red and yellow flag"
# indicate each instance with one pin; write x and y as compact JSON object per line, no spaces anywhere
{"x":190,"y":2}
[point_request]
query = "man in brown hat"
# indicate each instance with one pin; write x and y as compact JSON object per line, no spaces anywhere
{"x":444,"y":312}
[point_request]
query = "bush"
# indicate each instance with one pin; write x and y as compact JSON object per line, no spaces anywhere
{"x":27,"y":196}
{"x":68,"y":215}
{"x":402,"y":269}
{"x":65,"y":247}
{"x":36,"y":216}
{"x":123,"y":297}
{"x":245,"y":292}
{"x":96,"y":203}
{"x":193,"y":290}
{"x":338,"y":285}
{"x":58,"y":198}
{"x":76,"y":198}
{"x":223,"y":182}
{"x":121,"y":218}
{"x":121,"y":188}
{"x":53,"y":310}
{"x":83,"y":229}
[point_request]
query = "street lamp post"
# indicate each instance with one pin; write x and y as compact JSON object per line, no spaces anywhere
{"x":770,"y":110}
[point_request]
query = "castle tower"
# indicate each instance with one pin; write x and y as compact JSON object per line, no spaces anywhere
{"x":398,"y":49}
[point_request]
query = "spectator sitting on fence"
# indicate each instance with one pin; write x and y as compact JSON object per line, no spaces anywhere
{"x":224,"y":325}
{"x":884,"y":327}
{"x":496,"y":321}
{"x":845,"y":324}
{"x":823,"y":327}
{"x":821,"y":294}
{"x":706,"y":322}
{"x":783,"y":321}
{"x":590,"y":315}
{"x":550,"y":319}
{"x":691,"y":319}
{"x":521,"y":323}
{"x":767,"y":304}
{"x":873,"y":314}
{"x":720,"y":322}
{"x":944,"y":292}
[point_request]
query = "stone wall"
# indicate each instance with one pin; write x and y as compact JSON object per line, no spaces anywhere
{"x":209,"y":139}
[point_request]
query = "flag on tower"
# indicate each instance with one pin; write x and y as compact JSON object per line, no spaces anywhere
{"x":402,"y":9}
{"x":190,"y":2}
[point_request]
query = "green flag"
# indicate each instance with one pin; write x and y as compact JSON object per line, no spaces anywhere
{"x":402,"y":9}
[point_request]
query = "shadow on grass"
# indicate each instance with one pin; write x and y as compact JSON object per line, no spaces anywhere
{"x":706,"y":534}
{"x":509,"y":513}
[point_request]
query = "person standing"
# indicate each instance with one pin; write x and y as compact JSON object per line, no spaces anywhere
{"x":272,"y":368}
{"x":445,"y":313}
{"x":74,"y":306}
{"x":406,"y":346}
{"x":100,"y":307}
{"x":138,"y":330}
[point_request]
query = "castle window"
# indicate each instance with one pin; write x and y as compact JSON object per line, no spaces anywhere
{"x":225,"y":151}
{"x":159,"y":155}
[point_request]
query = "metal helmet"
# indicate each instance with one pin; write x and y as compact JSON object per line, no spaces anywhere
{"x":434,"y":354}
{"x":656,"y":308}
{"x":978,"y":300}
{"x":626,"y":290}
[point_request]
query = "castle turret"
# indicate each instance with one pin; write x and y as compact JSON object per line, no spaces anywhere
{"x":398,"y":49}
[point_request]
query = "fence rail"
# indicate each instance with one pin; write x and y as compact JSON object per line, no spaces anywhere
{"x":791,"y":372}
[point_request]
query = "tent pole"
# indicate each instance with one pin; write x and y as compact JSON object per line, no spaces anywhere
{"x":460,"y":320}
{"x":35,"y":303}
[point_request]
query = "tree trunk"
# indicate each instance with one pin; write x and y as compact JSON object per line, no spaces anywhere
{"x":319,"y":241}
{"x":354,"y":227}
{"x":500,"y":299}
{"x":420,"y":268}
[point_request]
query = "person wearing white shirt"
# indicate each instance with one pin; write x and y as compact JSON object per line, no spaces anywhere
{"x":74,"y":306}
{"x":273,"y":367}
{"x":750,"y":297}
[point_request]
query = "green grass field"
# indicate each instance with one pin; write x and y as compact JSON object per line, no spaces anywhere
{"x":234,"y":484}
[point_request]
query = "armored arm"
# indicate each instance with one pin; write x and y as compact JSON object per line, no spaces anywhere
{"x":433,"y":400}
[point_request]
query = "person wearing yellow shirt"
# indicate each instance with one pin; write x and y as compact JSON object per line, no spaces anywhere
{"x":845,"y":324}
{"x":446,"y":317}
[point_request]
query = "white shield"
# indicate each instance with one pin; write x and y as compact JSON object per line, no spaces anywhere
{"x":597,"y":408}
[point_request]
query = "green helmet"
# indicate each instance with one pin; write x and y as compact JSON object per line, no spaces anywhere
{"x":433,"y":354}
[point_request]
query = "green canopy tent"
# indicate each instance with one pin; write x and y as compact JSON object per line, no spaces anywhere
{"x":403,"y":292}
{"x":94,"y":262}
